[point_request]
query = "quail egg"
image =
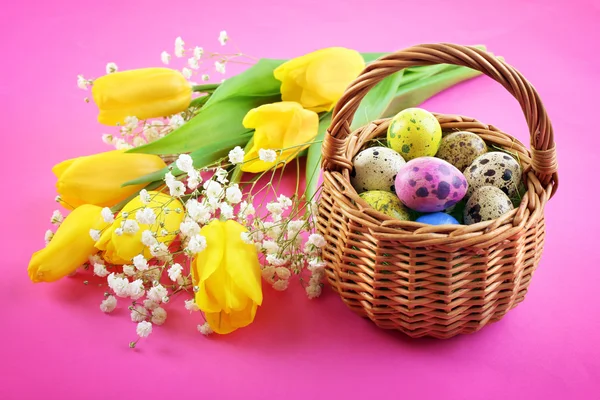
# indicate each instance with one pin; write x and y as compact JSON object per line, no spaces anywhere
{"x":461,"y":148}
{"x":486,"y":203}
{"x":497,"y":169}
{"x":375,"y":168}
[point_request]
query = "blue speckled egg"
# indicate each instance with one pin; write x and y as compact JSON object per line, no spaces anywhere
{"x":437,"y":218}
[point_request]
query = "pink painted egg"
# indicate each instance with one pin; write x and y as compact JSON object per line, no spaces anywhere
{"x":430,"y":184}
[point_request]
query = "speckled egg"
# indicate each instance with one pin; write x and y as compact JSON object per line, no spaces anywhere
{"x":386,"y":203}
{"x":414,"y":132}
{"x":430,"y":184}
{"x":486,"y":203}
{"x":437,"y":218}
{"x":461,"y":148}
{"x":375,"y":168}
{"x":497,"y":169}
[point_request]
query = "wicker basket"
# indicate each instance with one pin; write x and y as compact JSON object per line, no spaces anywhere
{"x":423,"y":280}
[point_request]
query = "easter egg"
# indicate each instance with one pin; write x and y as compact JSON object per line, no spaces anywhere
{"x":485,"y":204}
{"x":497,"y":169}
{"x":461,"y":148}
{"x":429,"y":184}
{"x":437,"y":218}
{"x":414,"y":132}
{"x":375,"y":168}
{"x":387,"y":203}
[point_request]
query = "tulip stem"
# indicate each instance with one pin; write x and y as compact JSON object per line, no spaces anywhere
{"x":205,"y":88}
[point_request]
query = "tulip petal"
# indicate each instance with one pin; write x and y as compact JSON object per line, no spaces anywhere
{"x":223,"y":323}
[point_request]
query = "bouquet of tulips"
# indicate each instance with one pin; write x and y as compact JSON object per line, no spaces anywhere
{"x":189,"y":202}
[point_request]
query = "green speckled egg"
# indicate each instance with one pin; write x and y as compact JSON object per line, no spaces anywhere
{"x":461,"y":148}
{"x":414,"y":132}
{"x":486,"y":203}
{"x":387,"y":203}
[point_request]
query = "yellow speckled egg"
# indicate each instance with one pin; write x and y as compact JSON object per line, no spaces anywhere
{"x":387,"y":203}
{"x":414,"y":132}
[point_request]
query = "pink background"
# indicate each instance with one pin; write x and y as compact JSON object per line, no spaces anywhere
{"x":57,"y":344}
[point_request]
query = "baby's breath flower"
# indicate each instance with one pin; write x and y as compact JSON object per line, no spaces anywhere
{"x":221,"y":175}
{"x":140,"y":262}
{"x":108,"y":304}
{"x":233,"y":194}
{"x":57,"y":218}
{"x":316,"y":263}
{"x":189,"y":228}
{"x":270,"y":246}
{"x":193,"y":63}
{"x":130,"y":227}
{"x":48,"y":236}
{"x":223,"y":38}
{"x":107,"y":215}
{"x":198,"y":52}
{"x":226,"y":211}
{"x":139,"y":141}
{"x":191,"y":305}
{"x":145,"y":216}
{"x":205,"y":329}
{"x":175,"y":272}
{"x":179,"y":47}
{"x":139,"y":314}
{"x":313,"y":291}
{"x":95,"y":259}
{"x":185,"y":163}
{"x":148,"y":238}
{"x":275,"y":208}
{"x":108,"y":139}
{"x":198,"y":212}
{"x":176,"y":121}
{"x":196,"y":244}
{"x":136,"y":289}
{"x":152,"y":133}
{"x":157,"y":293}
{"x":111,"y":67}
{"x":186,"y":72}
{"x":205,"y":77}
{"x":246,"y":209}
{"x":150,"y":304}
{"x":246,"y":238}
{"x":281,"y":284}
{"x":121,"y":144}
{"x":128,"y":270}
{"x":273,"y":229}
{"x":144,"y":329}
{"x":283,"y":273}
{"x":285,"y":201}
{"x":165,"y":57}
{"x":268,"y":273}
{"x":100,"y":270}
{"x":213,"y":189}
{"x":161,"y":251}
{"x":220,"y":67}
{"x":82,"y":83}
{"x":145,"y":196}
{"x":294,"y":227}
{"x":194,"y":179}
{"x":267,"y":155}
{"x":316,"y":240}
{"x":119,"y":231}
{"x":236,"y":156}
{"x":275,"y":261}
{"x":159,"y":315}
{"x":131,"y":122}
{"x":169,"y":178}
{"x":176,"y":189}
{"x":118,"y":285}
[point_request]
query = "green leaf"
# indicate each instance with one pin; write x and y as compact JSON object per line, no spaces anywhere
{"x":370,"y":57}
{"x":313,"y":158}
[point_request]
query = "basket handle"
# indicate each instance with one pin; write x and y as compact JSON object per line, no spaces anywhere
{"x":543,"y":148}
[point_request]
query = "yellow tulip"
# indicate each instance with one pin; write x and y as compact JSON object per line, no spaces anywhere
{"x":122,"y":241}
{"x":69,"y":248}
{"x":317,"y":80}
{"x":142,"y":93}
{"x":97,"y":179}
{"x":228,"y":276}
{"x":284,"y":127}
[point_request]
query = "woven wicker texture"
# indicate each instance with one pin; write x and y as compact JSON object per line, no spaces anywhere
{"x":424,"y":280}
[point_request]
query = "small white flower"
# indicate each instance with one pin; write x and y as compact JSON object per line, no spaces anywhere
{"x":285,"y":202}
{"x":267,"y":155}
{"x":131,"y":122}
{"x":140,"y":262}
{"x":136,"y":289}
{"x":82,"y":83}
{"x":108,"y":304}
{"x":144,"y":329}
{"x":108,"y":215}
{"x":194,"y":179}
{"x":139,"y":314}
{"x":226,"y":211}
{"x":100,"y":270}
{"x":273,"y":229}
{"x":111,"y":67}
{"x":159,"y":315}
{"x":315,"y":264}
{"x":179,"y":47}
{"x":205,"y":329}
{"x":221,"y":175}
{"x":150,"y":304}
{"x":270,"y":246}
{"x":148,"y":239}
{"x":316,"y":240}
{"x":281,"y":285}
{"x":220,"y":67}
{"x":233,"y":194}
{"x":205,"y":77}
{"x":145,"y":216}
{"x":108,"y":139}
{"x":48,"y":236}
{"x":193,"y":63}
{"x":118,"y":285}
{"x":223,"y":38}
{"x":236,"y":156}
{"x":175,"y":272}
{"x":121,"y":144}
{"x":119,"y":231}
{"x":268,"y":273}
{"x":176,"y":189}
{"x":294,"y":227}
{"x":275,"y":261}
{"x":128,"y":270}
{"x":130,"y":227}
{"x":145,"y":196}
{"x":156,"y":293}
{"x":196,"y":244}
{"x":275,"y":208}
{"x":169,"y":178}
{"x":191,"y":305}
{"x":165,"y":57}
{"x":246,"y":209}
{"x":283,"y":273}
{"x":152,"y":133}
{"x":56,"y":218}
{"x":246,"y":238}
{"x":139,"y":141}
{"x":95,"y":259}
{"x":198,"y":52}
{"x":185,"y":163}
{"x":186,"y":72}
{"x":313,"y":291}
{"x":213,"y":189}
{"x":189,"y":228}
{"x":198,"y":212}
{"x":176,"y":121}
{"x":161,"y":251}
